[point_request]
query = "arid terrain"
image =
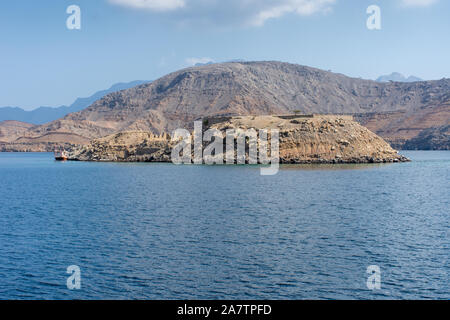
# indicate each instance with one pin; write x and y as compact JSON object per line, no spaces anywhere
{"x":398,"y":112}
{"x":307,"y":139}
{"x":12,"y":130}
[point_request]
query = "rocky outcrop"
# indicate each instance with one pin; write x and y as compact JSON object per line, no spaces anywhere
{"x":34,"y":147}
{"x":125,"y":147}
{"x":431,"y":139}
{"x":303,"y":139}
{"x":401,"y":128}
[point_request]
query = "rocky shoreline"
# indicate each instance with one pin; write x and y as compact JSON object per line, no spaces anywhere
{"x":303,"y":140}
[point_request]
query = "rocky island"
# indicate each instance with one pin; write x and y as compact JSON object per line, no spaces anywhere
{"x":303,"y":139}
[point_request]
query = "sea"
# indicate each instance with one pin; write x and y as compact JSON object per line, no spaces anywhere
{"x":85,"y":230}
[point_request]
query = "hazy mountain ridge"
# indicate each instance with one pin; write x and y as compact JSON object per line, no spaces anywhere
{"x":43,"y":115}
{"x":398,"y":77}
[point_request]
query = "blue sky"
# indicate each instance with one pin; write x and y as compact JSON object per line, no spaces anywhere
{"x":44,"y":63}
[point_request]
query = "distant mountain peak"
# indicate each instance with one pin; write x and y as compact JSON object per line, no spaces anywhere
{"x":43,"y":115}
{"x":199,"y":64}
{"x":398,"y":77}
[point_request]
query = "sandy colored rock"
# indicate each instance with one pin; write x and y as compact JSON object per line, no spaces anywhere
{"x":303,"y":139}
{"x":131,"y":146}
{"x":12,"y":130}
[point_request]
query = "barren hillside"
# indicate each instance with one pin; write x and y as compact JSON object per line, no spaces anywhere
{"x":260,"y":88}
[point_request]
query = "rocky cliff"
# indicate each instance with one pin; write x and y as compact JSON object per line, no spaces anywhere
{"x":402,"y":128}
{"x":431,"y":139}
{"x":315,"y":139}
{"x":134,"y":146}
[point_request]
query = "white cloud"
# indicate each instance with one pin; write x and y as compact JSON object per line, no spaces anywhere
{"x":226,"y":12}
{"x":156,"y":5}
{"x":300,"y":7}
{"x":418,"y":3}
{"x":194,"y":61}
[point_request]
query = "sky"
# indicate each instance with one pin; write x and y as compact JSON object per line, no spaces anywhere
{"x":44,"y":63}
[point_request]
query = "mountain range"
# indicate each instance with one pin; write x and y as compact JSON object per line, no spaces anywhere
{"x":43,"y":115}
{"x":396,"y":111}
{"x":397,"y":77}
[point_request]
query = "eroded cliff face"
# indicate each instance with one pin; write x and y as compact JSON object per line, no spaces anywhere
{"x":320,"y":139}
{"x":431,"y":139}
{"x":314,"y":139}
{"x":411,"y":129}
{"x":132,"y":146}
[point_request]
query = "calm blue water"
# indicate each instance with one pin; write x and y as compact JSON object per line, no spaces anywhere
{"x":159,"y":231}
